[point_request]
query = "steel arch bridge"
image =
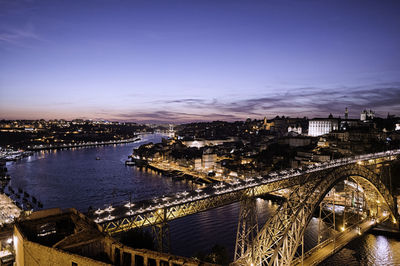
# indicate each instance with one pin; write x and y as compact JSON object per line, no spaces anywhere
{"x":281,"y":236}
{"x":278,"y":240}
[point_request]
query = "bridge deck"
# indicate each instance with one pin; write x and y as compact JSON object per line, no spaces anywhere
{"x":341,"y":240}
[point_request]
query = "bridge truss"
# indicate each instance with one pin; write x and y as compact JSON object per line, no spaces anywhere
{"x":282,"y":235}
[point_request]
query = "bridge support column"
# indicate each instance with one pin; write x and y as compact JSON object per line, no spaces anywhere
{"x":327,"y":218}
{"x":247,"y":228}
{"x":162,"y":237}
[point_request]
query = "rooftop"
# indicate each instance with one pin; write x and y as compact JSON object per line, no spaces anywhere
{"x":67,"y":230}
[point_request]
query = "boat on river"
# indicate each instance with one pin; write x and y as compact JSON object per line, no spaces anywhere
{"x":129,"y":162}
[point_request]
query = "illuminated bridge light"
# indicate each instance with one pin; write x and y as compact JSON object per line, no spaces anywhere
{"x":110,"y":208}
{"x":99,"y":211}
{"x":130,"y":212}
{"x":98,"y":220}
{"x":236,"y":182}
{"x":220,"y":185}
{"x":110,"y":217}
{"x":129,"y":205}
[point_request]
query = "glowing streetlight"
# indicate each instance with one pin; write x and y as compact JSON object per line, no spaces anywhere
{"x":99,"y":211}
{"x":129,"y":205}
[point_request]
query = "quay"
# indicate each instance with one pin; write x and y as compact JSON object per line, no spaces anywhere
{"x":174,"y":173}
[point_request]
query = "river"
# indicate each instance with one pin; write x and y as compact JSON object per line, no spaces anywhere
{"x":74,"y":178}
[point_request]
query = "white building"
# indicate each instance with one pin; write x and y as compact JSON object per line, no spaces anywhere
{"x":367,"y":115}
{"x":322,"y":126}
{"x":297,"y":129}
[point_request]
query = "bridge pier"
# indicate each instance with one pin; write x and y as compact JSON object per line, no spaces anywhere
{"x":247,"y":228}
{"x":328,"y":219}
{"x":162,"y":237}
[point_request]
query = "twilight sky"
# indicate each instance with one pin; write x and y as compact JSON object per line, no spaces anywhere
{"x":179,"y":61}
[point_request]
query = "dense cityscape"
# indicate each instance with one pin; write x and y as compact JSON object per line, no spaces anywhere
{"x":210,"y":155}
{"x":170,"y":132}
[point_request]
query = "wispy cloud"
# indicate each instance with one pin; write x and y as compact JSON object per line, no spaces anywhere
{"x":317,"y":102}
{"x":309,"y":101}
{"x":173,"y":116}
{"x":18,"y":36}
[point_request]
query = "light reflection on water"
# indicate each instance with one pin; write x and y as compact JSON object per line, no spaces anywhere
{"x":73,"y":178}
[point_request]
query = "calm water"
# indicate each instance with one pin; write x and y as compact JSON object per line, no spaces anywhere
{"x":74,"y":178}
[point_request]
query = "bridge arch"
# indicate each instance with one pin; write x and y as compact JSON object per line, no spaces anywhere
{"x":277,"y":242}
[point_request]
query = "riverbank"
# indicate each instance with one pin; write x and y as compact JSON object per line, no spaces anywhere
{"x":12,"y":155}
{"x":179,"y":175}
{"x":78,"y":145}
